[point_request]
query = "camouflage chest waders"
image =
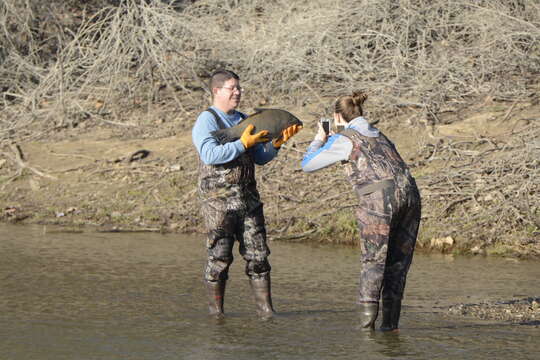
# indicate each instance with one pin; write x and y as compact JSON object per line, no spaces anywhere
{"x":232,"y":211}
{"x":388,"y":218}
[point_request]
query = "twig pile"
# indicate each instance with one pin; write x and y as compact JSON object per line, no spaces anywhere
{"x":491,"y":193}
{"x":113,"y":65}
{"x":62,"y":63}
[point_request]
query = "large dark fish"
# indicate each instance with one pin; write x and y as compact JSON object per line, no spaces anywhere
{"x":272,"y":120}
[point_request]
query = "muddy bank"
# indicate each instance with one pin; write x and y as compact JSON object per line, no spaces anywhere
{"x":476,"y":170}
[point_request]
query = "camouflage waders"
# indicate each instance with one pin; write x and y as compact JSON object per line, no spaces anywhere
{"x":232,"y":211}
{"x":388,"y":218}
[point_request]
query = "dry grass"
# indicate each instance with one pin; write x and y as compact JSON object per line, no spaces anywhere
{"x":63,"y":64}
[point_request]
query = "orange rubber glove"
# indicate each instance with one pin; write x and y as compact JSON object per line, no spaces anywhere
{"x":248,"y":140}
{"x":286,"y":135}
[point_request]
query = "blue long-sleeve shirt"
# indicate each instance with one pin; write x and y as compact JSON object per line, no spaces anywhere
{"x":337,"y":148}
{"x":212,"y":152}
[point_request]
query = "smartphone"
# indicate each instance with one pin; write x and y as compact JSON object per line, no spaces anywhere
{"x":325,"y":125}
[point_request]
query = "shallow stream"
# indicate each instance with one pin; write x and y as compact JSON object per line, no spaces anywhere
{"x":140,"y":296}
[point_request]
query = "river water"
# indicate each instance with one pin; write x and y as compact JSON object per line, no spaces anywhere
{"x":140,"y":296}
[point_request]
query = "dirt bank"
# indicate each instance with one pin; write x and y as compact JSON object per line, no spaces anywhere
{"x":128,"y":177}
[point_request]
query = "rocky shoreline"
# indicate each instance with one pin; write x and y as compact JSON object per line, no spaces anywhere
{"x":519,"y":311}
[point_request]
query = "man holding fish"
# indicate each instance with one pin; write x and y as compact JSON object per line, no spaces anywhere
{"x":230,"y":202}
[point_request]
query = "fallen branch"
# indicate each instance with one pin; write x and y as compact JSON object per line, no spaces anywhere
{"x":18,"y":159}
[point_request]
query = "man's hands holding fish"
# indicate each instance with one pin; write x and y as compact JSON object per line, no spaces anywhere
{"x":249,"y":140}
{"x":286,"y":135}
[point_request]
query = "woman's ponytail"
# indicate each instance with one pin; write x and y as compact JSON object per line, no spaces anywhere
{"x":359,"y":97}
{"x":350,"y":106}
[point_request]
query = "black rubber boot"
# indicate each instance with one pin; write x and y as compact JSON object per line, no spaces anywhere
{"x":216,"y":292}
{"x":368,"y":315}
{"x":262,"y":293}
{"x":391,"y":309}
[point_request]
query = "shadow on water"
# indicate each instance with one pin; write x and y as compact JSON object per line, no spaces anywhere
{"x":141,"y":296}
{"x":391,"y":345}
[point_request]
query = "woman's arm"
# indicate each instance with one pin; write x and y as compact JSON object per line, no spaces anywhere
{"x":318,"y":156}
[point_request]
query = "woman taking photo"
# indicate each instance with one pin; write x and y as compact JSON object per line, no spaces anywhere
{"x":388,"y":211}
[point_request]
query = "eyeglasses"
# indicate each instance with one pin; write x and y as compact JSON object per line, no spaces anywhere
{"x":237,"y":88}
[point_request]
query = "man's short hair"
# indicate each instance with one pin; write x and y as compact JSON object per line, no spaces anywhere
{"x":219,"y":78}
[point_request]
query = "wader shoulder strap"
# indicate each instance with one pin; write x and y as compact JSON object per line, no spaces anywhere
{"x":219,"y":121}
{"x":351,"y":134}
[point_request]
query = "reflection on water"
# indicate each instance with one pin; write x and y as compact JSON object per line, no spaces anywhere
{"x":140,"y":296}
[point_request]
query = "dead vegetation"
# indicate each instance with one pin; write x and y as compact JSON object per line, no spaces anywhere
{"x":488,"y":192}
{"x":65,"y":63}
{"x":140,"y":67}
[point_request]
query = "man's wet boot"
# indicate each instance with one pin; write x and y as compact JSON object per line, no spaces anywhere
{"x":216,"y":292}
{"x":368,"y":315}
{"x":391,"y":309}
{"x":262,"y":293}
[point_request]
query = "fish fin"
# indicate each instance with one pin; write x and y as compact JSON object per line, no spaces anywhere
{"x":257,"y":111}
{"x":221,"y":136}
{"x":260,"y":110}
